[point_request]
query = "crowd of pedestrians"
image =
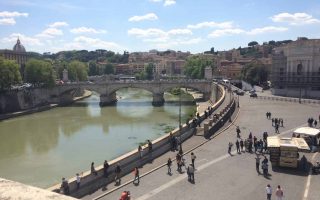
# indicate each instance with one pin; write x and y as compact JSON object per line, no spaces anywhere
{"x":279,"y":192}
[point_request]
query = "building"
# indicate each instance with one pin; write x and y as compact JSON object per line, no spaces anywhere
{"x":295,"y":70}
{"x":18,"y":54}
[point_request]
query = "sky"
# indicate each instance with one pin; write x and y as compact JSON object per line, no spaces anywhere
{"x":142,"y":25}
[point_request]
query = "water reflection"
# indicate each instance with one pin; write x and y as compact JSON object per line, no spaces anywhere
{"x":39,"y":149}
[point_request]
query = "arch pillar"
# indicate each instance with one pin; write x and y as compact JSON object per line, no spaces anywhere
{"x":158,"y":99}
{"x":108,"y":99}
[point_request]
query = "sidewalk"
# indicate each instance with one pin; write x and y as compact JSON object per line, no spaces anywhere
{"x":157,"y":163}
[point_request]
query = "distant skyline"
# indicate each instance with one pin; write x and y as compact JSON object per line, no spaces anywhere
{"x":142,"y":25}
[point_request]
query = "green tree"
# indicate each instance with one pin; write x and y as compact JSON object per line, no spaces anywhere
{"x":39,"y":72}
{"x":77,"y":71}
{"x":195,"y":66}
{"x":109,"y":69}
{"x":149,"y":71}
{"x":253,"y":43}
{"x":9,"y":73}
{"x":255,"y":73}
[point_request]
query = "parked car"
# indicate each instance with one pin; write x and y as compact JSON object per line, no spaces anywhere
{"x":253,"y":95}
{"x":240,"y":92}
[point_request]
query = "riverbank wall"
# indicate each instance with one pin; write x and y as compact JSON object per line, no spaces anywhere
{"x":19,"y":103}
{"x":91,"y":182}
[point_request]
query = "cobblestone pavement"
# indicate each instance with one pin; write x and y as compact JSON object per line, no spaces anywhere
{"x":221,"y":176}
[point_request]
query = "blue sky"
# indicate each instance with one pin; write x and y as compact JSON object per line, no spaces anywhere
{"x":141,"y":25}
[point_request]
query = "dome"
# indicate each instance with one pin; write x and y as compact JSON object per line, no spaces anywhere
{"x":18,"y":47}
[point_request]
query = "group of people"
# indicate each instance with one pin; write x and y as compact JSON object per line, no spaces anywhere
{"x":276,"y":122}
{"x":279,"y":192}
{"x":181,"y":162}
{"x":264,"y":165}
{"x":312,"y":122}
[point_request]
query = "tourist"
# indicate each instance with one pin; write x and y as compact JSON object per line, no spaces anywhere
{"x":136,"y":175}
{"x":169,"y":163}
{"x":105,"y":168}
{"x":140,"y":151}
{"x":78,"y":179}
{"x":179,"y":163}
{"x":269,"y":192}
{"x":238,"y":132}
{"x":93,"y":170}
{"x":125,"y":195}
{"x":65,"y":186}
{"x":315,"y":123}
{"x":272,"y":121}
{"x":257,"y":163}
{"x":190,"y":172}
{"x":193,"y":158}
{"x":277,"y":128}
{"x":229,"y":147}
{"x":117,"y":171}
{"x":279,"y":193}
{"x":238,"y":146}
{"x":241,"y":145}
{"x":250,"y":136}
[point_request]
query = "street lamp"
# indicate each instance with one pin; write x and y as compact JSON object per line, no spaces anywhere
{"x":180,"y":127}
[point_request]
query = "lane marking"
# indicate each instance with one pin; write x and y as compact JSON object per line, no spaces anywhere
{"x":180,"y":178}
{"x":306,"y":191}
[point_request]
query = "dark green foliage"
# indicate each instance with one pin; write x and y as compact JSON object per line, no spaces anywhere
{"x":195,"y":66}
{"x":9,"y":74}
{"x":40,"y":73}
{"x":255,"y":73}
{"x":77,"y":71}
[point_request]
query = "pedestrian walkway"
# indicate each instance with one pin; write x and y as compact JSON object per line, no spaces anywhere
{"x":162,"y":160}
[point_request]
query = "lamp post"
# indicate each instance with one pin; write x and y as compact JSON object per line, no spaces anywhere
{"x":180,"y":127}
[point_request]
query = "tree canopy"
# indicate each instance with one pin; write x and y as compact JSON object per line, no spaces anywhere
{"x":9,"y":74}
{"x":253,"y":43}
{"x":77,"y":71}
{"x":255,"y":73}
{"x":39,"y":72}
{"x":195,"y":66}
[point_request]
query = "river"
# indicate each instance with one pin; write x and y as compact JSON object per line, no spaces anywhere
{"x":41,"y":148}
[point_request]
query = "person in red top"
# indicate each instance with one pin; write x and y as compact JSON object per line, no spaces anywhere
{"x":279,"y":193}
{"x":125,"y":195}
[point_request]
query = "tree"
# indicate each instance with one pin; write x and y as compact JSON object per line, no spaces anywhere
{"x":255,"y":73}
{"x":109,"y":69}
{"x":39,"y":72}
{"x":253,"y":43}
{"x":149,"y":71}
{"x":77,"y":71}
{"x":9,"y":74}
{"x":195,"y":66}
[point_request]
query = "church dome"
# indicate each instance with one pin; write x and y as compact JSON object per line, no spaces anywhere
{"x":18,"y":47}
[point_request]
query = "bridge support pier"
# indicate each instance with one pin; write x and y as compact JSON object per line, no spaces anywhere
{"x":158,"y":99}
{"x":106,"y":99}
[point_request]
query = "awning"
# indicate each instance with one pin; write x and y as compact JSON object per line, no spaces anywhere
{"x":307,"y":131}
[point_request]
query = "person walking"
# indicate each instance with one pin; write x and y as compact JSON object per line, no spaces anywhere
{"x":179,"y":163}
{"x":190,"y":172}
{"x":117,"y":171}
{"x":136,"y":175}
{"x":241,"y":145}
{"x":229,"y":147}
{"x":277,"y":128}
{"x":105,"y":168}
{"x":193,"y":158}
{"x":93,"y":170}
{"x":78,"y":180}
{"x":279,"y":193}
{"x":238,"y":132}
{"x":140,"y":151}
{"x":258,"y":163}
{"x":238,"y":146}
{"x":65,"y":186}
{"x":269,"y":192}
{"x":315,"y":123}
{"x":169,"y":163}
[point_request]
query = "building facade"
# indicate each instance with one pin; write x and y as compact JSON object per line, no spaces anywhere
{"x":18,"y":54}
{"x":295,"y":69}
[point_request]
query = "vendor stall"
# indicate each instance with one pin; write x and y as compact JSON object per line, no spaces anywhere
{"x":310,"y":135}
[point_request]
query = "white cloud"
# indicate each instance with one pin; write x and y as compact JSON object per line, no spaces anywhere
{"x":7,"y":14}
{"x":267,"y":29}
{"x":83,"y":42}
{"x":295,"y":19}
{"x":212,"y":24}
{"x":144,"y":33}
{"x":25,"y":40}
{"x":155,"y":0}
{"x":149,"y":16}
{"x":58,"y":24}
{"x":7,"y":21}
{"x":169,"y":2}
{"x":83,"y":29}
{"x":180,"y":32}
{"x":224,"y":32}
{"x":50,"y":33}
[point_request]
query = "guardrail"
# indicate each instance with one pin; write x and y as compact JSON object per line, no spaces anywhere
{"x":288,"y":99}
{"x":130,"y":160}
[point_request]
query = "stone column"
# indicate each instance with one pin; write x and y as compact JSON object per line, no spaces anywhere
{"x":158,"y":99}
{"x":108,"y":99}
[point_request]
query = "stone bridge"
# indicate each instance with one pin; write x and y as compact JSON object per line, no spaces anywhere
{"x":107,"y":90}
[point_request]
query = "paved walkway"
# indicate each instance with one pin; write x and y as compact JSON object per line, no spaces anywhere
{"x":187,"y":145}
{"x":221,"y":176}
